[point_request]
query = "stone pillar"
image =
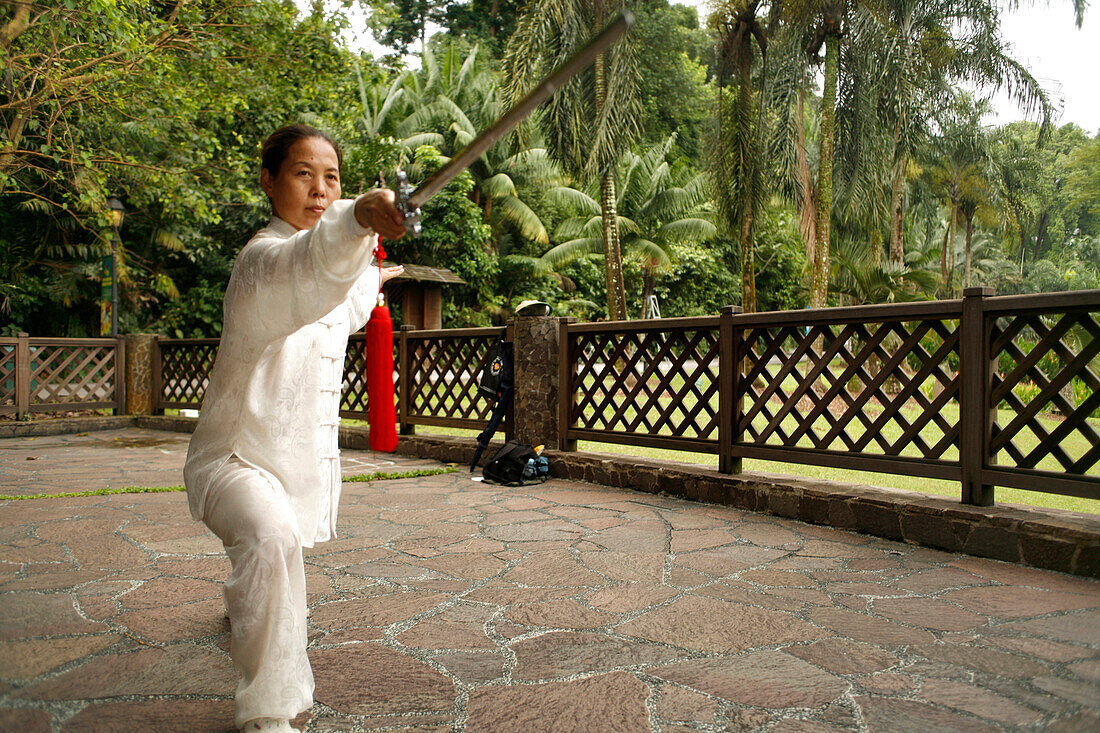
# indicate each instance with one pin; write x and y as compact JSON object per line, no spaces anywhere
{"x":140,"y":351}
{"x":535,"y":407}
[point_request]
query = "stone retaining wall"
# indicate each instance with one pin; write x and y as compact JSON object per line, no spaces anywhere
{"x":1045,"y":538}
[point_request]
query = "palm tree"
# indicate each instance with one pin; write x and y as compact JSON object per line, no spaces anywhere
{"x":738,"y":151}
{"x":445,"y":105}
{"x":865,"y":281}
{"x":924,"y":49}
{"x":828,"y":30}
{"x":809,"y":27}
{"x":960,"y":168}
{"x":900,"y":59}
{"x":657,"y":208}
{"x":593,"y":118}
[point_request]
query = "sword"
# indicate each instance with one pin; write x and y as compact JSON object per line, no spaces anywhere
{"x":409,"y":201}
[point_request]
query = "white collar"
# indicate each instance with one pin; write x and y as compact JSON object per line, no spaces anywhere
{"x":280,"y":228}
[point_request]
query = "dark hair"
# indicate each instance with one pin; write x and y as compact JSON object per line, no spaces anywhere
{"x":278,"y":145}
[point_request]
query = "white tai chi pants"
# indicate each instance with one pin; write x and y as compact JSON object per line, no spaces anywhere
{"x":266,"y":592}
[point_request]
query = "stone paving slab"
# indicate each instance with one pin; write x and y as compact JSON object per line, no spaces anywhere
{"x":448,"y":604}
{"x":120,"y":458}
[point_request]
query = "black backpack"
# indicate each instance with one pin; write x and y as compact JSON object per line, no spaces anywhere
{"x":498,"y":375}
{"x":506,"y":467}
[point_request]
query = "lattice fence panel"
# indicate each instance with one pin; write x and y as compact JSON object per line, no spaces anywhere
{"x":888,"y":389}
{"x":1047,"y":393}
{"x":73,"y":374}
{"x":7,"y":375}
{"x":657,"y":383}
{"x":443,"y":374}
{"x":353,"y":398}
{"x":185,"y":371}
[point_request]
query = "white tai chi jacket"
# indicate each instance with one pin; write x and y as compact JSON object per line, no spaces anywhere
{"x":273,"y":399}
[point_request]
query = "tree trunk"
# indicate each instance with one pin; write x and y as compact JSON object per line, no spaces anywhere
{"x":819,"y":281}
{"x":807,"y":202}
{"x":897,"y":212}
{"x":15,"y":27}
{"x":1040,"y":234}
{"x":749,"y":186}
{"x":748,"y":263}
{"x":969,"y":237}
{"x":947,"y":271}
{"x":15,"y":136}
{"x":948,"y":237}
{"x":1023,"y":239}
{"x":647,"y":291}
{"x":612,"y":251}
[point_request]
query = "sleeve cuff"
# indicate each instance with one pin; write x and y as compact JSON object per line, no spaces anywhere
{"x":351,"y":223}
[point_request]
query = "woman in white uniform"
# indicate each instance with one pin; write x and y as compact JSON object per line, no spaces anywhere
{"x":263,"y":469}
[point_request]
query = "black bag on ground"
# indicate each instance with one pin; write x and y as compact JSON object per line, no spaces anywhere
{"x":506,"y":467}
{"x":499,"y":372}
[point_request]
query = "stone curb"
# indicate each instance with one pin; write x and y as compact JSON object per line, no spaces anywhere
{"x":63,"y":426}
{"x":1039,"y":537}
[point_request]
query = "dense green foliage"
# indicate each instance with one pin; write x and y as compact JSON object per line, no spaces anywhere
{"x":164,"y":105}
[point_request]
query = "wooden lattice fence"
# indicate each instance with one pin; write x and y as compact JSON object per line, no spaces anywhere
{"x":441,"y":369}
{"x":987,"y":391}
{"x":435,"y":376}
{"x":182,"y":371}
{"x":983,"y":390}
{"x":40,"y":375}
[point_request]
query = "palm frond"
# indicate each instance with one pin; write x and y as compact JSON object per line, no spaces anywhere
{"x":167,"y":238}
{"x":535,"y":265}
{"x":499,"y":185}
{"x":652,"y":254}
{"x":628,"y":226}
{"x":688,"y":230}
{"x":526,"y":220}
{"x":580,"y":226}
{"x":424,"y":138}
{"x":574,"y":249}
{"x":573,"y":199}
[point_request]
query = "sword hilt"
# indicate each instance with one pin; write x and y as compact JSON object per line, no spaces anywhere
{"x":402,"y":190}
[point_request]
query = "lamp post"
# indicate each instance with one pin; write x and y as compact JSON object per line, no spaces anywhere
{"x":118,"y":212}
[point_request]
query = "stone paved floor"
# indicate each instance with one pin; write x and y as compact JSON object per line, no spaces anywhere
{"x":452,"y":605}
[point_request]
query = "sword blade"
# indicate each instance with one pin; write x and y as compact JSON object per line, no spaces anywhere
{"x":612,"y":32}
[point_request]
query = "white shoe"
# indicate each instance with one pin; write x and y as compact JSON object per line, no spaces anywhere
{"x":268,"y":725}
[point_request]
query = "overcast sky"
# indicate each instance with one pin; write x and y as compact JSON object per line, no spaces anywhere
{"x":1062,"y":57}
{"x":1065,"y":59}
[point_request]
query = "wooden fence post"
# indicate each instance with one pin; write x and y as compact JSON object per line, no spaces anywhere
{"x":975,"y":415}
{"x":157,"y":380}
{"x":22,"y":376}
{"x":729,"y":381}
{"x":566,"y":392}
{"x":403,"y":379}
{"x":510,"y":413}
{"x":120,"y":376}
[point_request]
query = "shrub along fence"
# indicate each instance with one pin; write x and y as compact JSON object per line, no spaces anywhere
{"x":988,"y":391}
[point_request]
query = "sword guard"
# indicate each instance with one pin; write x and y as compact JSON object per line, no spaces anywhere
{"x":402,"y":190}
